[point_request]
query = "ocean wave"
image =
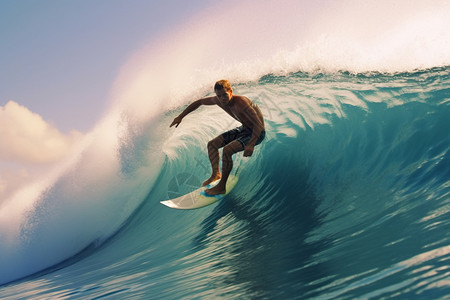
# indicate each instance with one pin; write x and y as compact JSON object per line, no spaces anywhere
{"x":356,"y":145}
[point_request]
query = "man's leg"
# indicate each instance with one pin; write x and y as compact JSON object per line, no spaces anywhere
{"x":227,"y":165}
{"x":213,"y":153}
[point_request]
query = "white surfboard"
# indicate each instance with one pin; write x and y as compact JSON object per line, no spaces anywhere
{"x":198,"y":198}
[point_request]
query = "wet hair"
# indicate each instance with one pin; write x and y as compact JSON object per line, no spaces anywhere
{"x":222,"y":85}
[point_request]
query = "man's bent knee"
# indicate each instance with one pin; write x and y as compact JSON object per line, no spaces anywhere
{"x":231,"y":149}
{"x":216,"y":143}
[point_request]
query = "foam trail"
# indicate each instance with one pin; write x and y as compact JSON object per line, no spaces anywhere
{"x":244,"y":41}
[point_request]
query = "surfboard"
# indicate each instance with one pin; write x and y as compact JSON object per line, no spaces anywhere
{"x":198,"y":198}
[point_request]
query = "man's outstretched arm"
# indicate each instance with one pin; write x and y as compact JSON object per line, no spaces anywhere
{"x":193,"y":106}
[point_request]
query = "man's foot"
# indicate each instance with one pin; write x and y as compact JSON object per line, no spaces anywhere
{"x":216,"y":190}
{"x":211,"y":179}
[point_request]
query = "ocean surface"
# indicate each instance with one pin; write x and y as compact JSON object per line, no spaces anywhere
{"x":347,"y":197}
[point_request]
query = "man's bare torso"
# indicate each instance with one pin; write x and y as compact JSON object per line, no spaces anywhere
{"x":238,"y":108}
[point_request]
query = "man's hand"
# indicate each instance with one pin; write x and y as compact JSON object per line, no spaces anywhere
{"x":248,"y":150}
{"x":176,"y":121}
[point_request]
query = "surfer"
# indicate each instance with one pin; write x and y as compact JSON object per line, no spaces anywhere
{"x":243,"y":138}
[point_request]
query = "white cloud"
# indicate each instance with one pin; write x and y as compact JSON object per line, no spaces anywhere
{"x":12,"y":179}
{"x":28,"y":145}
{"x":27,"y":138}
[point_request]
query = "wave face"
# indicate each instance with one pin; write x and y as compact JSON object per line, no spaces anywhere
{"x":347,"y":197}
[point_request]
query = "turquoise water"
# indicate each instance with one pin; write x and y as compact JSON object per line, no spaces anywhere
{"x":347,"y":197}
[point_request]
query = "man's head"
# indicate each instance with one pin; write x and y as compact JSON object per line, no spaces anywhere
{"x":223,"y":85}
{"x":223,"y":91}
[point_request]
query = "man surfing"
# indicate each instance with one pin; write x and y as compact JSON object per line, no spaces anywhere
{"x":243,"y":138}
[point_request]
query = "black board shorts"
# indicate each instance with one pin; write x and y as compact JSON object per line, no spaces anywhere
{"x":241,"y":134}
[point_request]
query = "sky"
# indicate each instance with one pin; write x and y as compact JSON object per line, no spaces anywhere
{"x":58,"y":63}
{"x":60,"y":58}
